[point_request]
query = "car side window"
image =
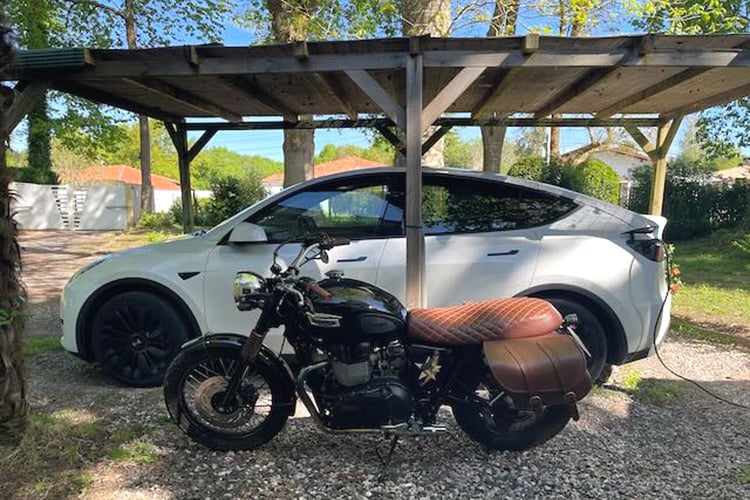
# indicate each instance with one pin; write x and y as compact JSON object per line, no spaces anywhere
{"x":452,"y":206}
{"x":352,"y":210}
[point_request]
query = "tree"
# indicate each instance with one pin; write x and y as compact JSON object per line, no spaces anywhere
{"x":720,"y":130}
{"x":502,"y":23}
{"x":423,"y":17}
{"x":13,"y":406}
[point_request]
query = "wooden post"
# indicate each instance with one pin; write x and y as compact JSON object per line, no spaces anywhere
{"x":178,"y":134}
{"x":665,"y":134}
{"x":415,"y":248}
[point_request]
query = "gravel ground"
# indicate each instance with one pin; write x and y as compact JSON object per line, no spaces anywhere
{"x":624,"y":446}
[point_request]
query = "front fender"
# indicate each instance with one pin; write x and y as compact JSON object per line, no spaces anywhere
{"x":234,"y":341}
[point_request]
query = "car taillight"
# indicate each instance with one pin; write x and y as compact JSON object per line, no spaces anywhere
{"x":651,"y":249}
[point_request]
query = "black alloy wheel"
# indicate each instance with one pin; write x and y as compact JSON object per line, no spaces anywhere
{"x":135,"y":335}
{"x":592,"y":335}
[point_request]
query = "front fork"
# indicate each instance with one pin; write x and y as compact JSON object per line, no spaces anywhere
{"x":250,"y":350}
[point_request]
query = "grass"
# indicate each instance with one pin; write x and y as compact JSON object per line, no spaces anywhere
{"x":716,"y":278}
{"x":36,"y":345}
{"x":745,"y":475}
{"x":683,"y":328}
{"x":59,"y":449}
{"x":652,"y":391}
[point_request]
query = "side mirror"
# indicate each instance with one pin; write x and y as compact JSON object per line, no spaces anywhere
{"x":246,"y":232}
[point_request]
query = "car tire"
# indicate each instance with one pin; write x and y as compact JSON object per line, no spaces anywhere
{"x":134,"y":337}
{"x":590,"y":331}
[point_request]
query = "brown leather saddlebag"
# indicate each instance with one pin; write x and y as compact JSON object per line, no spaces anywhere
{"x":539,"y":371}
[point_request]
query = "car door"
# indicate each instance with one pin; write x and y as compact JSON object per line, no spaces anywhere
{"x":481,"y":240}
{"x":353,"y":208}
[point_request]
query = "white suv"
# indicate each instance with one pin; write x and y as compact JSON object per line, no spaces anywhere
{"x":486,"y":236}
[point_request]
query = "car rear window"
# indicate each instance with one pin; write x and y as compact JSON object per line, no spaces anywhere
{"x":451,"y":205}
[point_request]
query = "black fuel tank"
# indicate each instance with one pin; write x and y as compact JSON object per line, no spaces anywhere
{"x":366,"y":311}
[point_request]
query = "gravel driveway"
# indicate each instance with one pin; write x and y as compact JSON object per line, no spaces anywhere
{"x":637,"y":438}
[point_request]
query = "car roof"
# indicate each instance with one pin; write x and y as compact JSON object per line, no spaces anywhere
{"x":628,"y":217}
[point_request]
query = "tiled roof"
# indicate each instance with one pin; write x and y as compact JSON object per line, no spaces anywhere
{"x":329,"y":167}
{"x":99,"y":174}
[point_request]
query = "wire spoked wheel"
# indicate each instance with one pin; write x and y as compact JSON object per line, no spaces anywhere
{"x":488,"y":418}
{"x":195,"y":392}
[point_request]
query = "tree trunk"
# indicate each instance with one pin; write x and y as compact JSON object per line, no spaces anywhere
{"x":299,"y":151}
{"x":503,"y":23}
{"x":39,"y":140}
{"x":423,"y":17}
{"x":147,"y":195}
{"x":13,"y":406}
{"x":288,"y":24}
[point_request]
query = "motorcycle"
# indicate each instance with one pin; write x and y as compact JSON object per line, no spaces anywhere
{"x":511,"y":370}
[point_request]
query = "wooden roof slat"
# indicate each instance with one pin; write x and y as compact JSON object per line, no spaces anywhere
{"x":199,"y":103}
{"x":257,"y":95}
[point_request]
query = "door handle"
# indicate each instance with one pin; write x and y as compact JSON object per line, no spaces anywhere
{"x":497,"y":254}
{"x":361,"y":258}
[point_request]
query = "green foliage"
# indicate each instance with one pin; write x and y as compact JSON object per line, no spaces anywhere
{"x":378,"y":151}
{"x":200,"y":213}
{"x":743,"y":243}
{"x":592,"y":177}
{"x":694,"y":206}
{"x":459,"y":153}
{"x":529,"y":167}
{"x":322,"y":20}
{"x":156,"y":220}
{"x":692,"y":16}
{"x":231,"y":195}
{"x":34,"y":176}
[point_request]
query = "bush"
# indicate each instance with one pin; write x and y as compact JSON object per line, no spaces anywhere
{"x":200,"y":216}
{"x":158,"y":220}
{"x":34,"y":175}
{"x":529,"y":167}
{"x":592,"y":177}
{"x":694,"y":206}
{"x":230,"y":195}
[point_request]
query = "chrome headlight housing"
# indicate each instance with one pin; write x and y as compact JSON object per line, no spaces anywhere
{"x":247,"y":284}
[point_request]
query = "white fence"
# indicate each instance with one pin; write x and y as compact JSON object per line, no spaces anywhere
{"x":97,"y":207}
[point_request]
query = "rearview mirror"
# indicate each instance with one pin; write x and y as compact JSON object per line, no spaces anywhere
{"x":246,"y":232}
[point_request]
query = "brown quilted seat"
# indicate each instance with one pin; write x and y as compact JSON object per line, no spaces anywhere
{"x":477,"y":322}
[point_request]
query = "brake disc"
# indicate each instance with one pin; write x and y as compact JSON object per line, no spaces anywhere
{"x":208,"y":397}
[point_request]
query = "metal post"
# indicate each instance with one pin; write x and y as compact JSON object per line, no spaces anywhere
{"x":415,"y":249}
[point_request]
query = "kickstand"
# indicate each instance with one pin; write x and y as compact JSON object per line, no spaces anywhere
{"x":386,"y":462}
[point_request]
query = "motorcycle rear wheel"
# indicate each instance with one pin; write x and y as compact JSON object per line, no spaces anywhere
{"x":500,"y":427}
{"x":193,"y":391}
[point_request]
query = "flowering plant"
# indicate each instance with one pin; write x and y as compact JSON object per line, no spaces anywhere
{"x":674,"y":272}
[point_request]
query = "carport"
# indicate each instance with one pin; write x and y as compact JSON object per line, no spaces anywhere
{"x":412,"y":90}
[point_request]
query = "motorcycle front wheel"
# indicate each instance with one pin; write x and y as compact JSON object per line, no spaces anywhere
{"x":488,"y":419}
{"x":194,"y":390}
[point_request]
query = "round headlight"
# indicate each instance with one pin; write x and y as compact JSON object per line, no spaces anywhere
{"x":246,"y":283}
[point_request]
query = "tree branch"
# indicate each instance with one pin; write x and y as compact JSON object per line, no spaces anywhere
{"x":99,"y":5}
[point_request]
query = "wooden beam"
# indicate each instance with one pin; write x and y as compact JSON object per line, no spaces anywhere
{"x":485,"y":106}
{"x":253,"y":92}
{"x":530,"y":43}
{"x":652,"y":90}
{"x":434,"y":138}
{"x":200,"y":144}
{"x":301,"y":51}
{"x":329,"y":123}
{"x":646,"y":145}
{"x":415,"y":246}
{"x":392,"y":138}
{"x":580,"y":86}
{"x":184,"y":98}
{"x":25,"y":96}
{"x":336,"y":90}
{"x":666,"y":141}
{"x":448,"y":95}
{"x":100,"y":96}
{"x":379,"y":95}
{"x":708,"y":102}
